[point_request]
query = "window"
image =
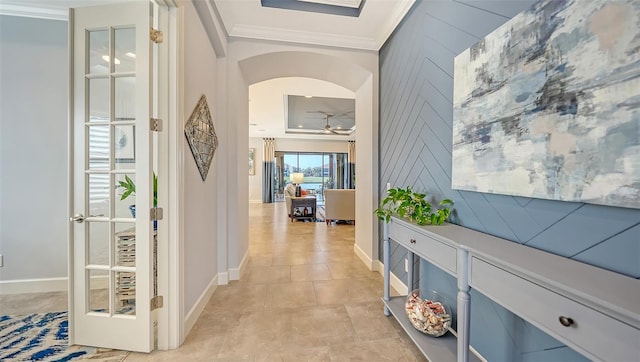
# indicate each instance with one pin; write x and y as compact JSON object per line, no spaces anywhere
{"x":321,"y":170}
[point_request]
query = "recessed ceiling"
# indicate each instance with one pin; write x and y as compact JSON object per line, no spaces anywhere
{"x":267,"y":107}
{"x":368,"y":31}
{"x":344,"y":8}
{"x":320,"y":115}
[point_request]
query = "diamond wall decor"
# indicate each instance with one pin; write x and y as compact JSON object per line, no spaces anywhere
{"x":201,"y":136}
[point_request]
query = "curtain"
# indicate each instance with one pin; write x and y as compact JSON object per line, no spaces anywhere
{"x":351,"y":173}
{"x":268,"y":167}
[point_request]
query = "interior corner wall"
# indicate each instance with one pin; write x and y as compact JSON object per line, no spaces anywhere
{"x":416,"y":117}
{"x":33,"y":148}
{"x":200,"y":205}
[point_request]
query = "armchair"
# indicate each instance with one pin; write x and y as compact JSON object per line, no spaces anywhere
{"x":289,"y":192}
{"x":340,"y":204}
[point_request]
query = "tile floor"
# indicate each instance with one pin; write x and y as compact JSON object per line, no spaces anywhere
{"x":305,"y":296}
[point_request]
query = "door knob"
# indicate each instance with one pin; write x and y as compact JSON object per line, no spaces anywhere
{"x":79,"y":218}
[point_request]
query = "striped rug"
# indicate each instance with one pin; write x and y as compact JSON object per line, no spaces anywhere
{"x":44,"y":337}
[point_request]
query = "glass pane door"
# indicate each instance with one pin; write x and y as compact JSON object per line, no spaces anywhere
{"x":112,"y":178}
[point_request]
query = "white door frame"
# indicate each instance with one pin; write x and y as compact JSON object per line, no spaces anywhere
{"x":171,"y":318}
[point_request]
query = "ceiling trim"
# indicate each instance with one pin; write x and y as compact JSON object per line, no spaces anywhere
{"x":374,"y":42}
{"x":393,"y":21}
{"x":34,"y":12}
{"x":334,"y":40}
{"x":59,"y":10}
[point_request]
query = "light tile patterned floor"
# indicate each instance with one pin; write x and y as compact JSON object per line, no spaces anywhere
{"x":305,"y":296}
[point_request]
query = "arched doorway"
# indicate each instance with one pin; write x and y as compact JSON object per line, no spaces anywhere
{"x":356,"y":75}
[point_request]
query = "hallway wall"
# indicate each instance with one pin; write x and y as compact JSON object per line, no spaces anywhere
{"x":200,"y":210}
{"x":33,"y":151}
{"x":416,"y":115}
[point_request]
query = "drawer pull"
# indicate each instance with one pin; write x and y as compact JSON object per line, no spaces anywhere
{"x":565,"y":321}
{"x":412,"y":241}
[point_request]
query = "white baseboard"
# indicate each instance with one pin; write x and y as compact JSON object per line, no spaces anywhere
{"x":235,"y":273}
{"x":395,"y":282}
{"x":34,"y":285}
{"x":223,"y":278}
{"x":376,"y":265}
{"x":364,"y":257}
{"x":196,"y":310}
{"x":255,"y":201}
{"x":46,"y":285}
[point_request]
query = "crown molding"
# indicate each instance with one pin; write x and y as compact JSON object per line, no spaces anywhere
{"x":12,"y":9}
{"x":394,"y":20}
{"x":373,"y":42}
{"x":59,"y":10}
{"x":304,"y":37}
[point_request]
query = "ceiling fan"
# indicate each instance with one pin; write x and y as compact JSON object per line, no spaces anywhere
{"x":327,"y":128}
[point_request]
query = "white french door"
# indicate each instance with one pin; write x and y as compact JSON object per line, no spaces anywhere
{"x":112,"y":248}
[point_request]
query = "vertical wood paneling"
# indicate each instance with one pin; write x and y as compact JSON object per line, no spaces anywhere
{"x":416,"y":117}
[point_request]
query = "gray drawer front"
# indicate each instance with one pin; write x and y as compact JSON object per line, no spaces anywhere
{"x":593,"y":333}
{"x":436,"y":252}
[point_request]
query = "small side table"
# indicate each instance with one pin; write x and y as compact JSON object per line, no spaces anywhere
{"x":305,"y":206}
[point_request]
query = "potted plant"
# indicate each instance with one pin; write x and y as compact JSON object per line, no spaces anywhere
{"x":412,"y":205}
{"x":129,"y":188}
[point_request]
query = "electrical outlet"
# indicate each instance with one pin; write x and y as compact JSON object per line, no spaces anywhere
{"x":406,"y":265}
{"x":388,"y":185}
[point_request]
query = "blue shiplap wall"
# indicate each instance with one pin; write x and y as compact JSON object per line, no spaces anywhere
{"x":416,"y":113}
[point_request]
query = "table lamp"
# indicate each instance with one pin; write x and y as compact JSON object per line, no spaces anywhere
{"x":297,"y":179}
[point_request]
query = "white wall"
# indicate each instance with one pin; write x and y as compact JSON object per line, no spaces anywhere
{"x":200,"y":228}
{"x":287,"y":145}
{"x":33,"y":148}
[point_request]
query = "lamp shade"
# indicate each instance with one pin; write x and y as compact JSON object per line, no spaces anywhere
{"x":297,"y":178}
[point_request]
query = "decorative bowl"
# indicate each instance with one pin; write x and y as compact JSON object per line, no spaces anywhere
{"x":427,"y":312}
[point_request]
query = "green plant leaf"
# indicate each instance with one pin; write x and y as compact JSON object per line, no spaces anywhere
{"x":412,"y":205}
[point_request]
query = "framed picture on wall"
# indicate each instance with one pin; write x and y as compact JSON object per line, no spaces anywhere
{"x":252,"y":161}
{"x":124,"y":144}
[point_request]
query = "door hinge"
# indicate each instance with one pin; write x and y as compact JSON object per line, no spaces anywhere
{"x":156,"y":302}
{"x":155,"y":124}
{"x":156,"y":213}
{"x":155,"y":35}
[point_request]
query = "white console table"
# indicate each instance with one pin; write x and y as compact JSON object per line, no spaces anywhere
{"x":594,"y":311}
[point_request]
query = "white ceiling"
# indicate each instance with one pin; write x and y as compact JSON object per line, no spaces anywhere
{"x":248,"y":19}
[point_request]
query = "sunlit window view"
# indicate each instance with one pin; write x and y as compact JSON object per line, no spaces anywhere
{"x":321,"y":171}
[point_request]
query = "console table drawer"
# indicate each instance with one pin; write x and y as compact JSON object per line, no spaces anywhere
{"x":436,"y":252}
{"x":592,"y":333}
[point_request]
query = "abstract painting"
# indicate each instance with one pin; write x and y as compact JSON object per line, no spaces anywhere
{"x":548,"y":105}
{"x":201,"y":136}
